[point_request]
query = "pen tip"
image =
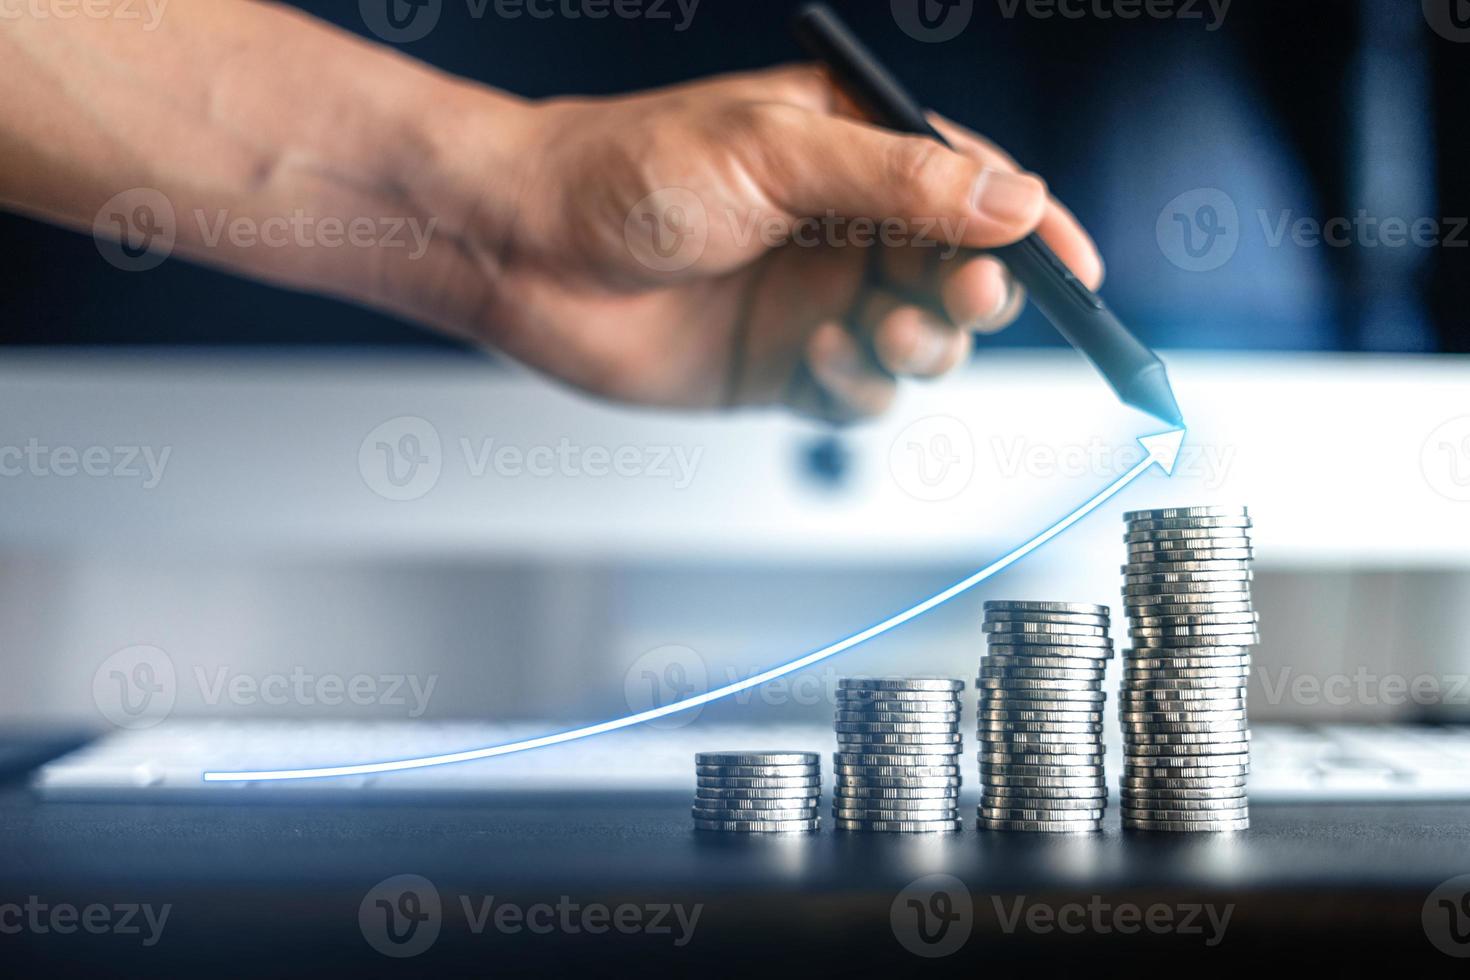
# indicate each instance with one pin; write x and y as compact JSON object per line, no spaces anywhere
{"x":1150,"y":392}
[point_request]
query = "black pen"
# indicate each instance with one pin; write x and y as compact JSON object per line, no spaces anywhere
{"x":1079,"y":314}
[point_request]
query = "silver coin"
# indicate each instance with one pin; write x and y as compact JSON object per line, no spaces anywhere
{"x":1206,"y":578}
{"x":1151,"y":746}
{"x":1042,"y":826}
{"x":856,"y":807}
{"x":1016,"y":715}
{"x":908,"y":740}
{"x":909,"y":761}
{"x":778,"y":796}
{"x":1200,"y":784}
{"x":1145,"y":608}
{"x":1050,"y":619}
{"x":1166,"y":661}
{"x":896,"y":727}
{"x":1174,"y":513}
{"x":1012,"y":740}
{"x":1214,"y":542}
{"x":1197,"y":728}
{"x":1025,"y":762}
{"x":1155,"y":685}
{"x":1166,"y":697}
{"x":1062,"y":784}
{"x":901,"y":718}
{"x":738,"y":813}
{"x":770,"y":771}
{"x":1095,"y":796}
{"x":892,"y":813}
{"x":990,"y":773}
{"x":1195,"y":620}
{"x":1235,"y":560}
{"x":1165,"y":767}
{"x":1158,"y":797}
{"x":849,"y":783}
{"x":899,"y":684}
{"x":1023,"y":638}
{"x":1137,"y":535}
{"x":992,"y":672}
{"x":846,"y":792}
{"x":1233,"y":811}
{"x":906,"y":697}
{"x":1202,"y":826}
{"x":1045,"y":629}
{"x":759,"y":826}
{"x":1181,"y":740}
{"x":1026,"y":684}
{"x":758,"y":782}
{"x":1177,"y":642}
{"x":1135,"y":804}
{"x":887,"y":770}
{"x":1099,"y":655}
{"x":1187,"y":523}
{"x":1201,"y":629}
{"x":1152,"y":719}
{"x":1144,"y":674}
{"x":1042,"y":606}
{"x":757,"y":759}
{"x":1002,"y":813}
{"x":1052,"y":663}
{"x":1038,"y":698}
{"x":901,"y":826}
{"x":996,"y":728}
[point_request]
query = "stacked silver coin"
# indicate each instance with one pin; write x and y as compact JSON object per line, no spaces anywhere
{"x":898,"y":754}
{"x":757,"y":792}
{"x":1041,"y":716}
{"x":1186,"y":740}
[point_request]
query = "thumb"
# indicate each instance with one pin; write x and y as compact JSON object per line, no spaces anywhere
{"x":810,"y":164}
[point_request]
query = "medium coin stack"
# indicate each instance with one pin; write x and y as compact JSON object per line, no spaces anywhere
{"x":1186,"y":741}
{"x":898,"y":754}
{"x":1041,"y":716}
{"x":757,"y":792}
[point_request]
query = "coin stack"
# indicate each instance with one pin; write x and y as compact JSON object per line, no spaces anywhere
{"x":1186,"y":742}
{"x":757,"y":792}
{"x":1041,"y":716}
{"x":898,"y":753}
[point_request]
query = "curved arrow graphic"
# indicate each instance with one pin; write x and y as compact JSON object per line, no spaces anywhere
{"x":1162,"y":449}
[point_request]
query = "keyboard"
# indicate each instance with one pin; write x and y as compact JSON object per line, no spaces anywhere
{"x":1289,"y":763}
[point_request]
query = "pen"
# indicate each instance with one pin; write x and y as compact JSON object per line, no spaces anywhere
{"x":1133,"y":370}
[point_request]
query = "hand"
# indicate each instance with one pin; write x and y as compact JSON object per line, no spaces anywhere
{"x":687,"y":247}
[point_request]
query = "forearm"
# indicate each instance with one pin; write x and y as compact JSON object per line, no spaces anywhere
{"x":247,"y":117}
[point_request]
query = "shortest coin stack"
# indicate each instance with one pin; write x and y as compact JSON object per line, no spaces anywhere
{"x":757,"y":792}
{"x":1041,"y":714}
{"x":898,"y":754}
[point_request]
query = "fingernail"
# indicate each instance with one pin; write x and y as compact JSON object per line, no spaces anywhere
{"x":931,"y":351}
{"x":1006,"y":197}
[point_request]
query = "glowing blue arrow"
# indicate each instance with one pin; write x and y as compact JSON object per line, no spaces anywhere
{"x":1162,"y":449}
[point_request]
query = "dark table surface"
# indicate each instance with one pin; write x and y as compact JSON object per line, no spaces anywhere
{"x":294,"y":887}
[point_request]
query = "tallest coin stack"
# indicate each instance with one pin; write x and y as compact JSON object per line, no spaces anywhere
{"x":1186,"y":741}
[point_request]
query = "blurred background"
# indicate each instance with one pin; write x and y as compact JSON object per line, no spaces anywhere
{"x":286,"y":485}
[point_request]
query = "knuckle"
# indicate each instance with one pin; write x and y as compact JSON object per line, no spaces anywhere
{"x":919,"y":166}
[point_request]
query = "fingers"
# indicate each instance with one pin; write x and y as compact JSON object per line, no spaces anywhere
{"x":848,"y":383}
{"x":1058,"y":226}
{"x":909,"y":340}
{"x":980,"y":295}
{"x":812,"y":165}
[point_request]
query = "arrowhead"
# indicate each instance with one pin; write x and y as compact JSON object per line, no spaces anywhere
{"x":1163,"y":448}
